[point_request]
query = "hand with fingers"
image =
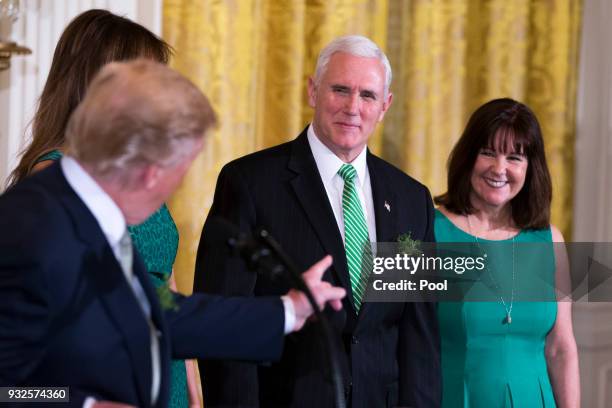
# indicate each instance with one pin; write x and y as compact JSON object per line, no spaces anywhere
{"x":323,"y":292}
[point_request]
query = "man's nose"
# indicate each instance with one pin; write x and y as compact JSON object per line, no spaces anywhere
{"x":352,"y":104}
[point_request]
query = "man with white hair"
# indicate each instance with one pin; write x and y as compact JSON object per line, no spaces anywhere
{"x":77,"y":308}
{"x":324,"y":192}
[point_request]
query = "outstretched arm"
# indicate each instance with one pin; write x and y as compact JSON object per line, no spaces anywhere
{"x":561,"y":350}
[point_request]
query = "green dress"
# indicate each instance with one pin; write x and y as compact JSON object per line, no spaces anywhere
{"x":156,"y":240}
{"x":486,"y":362}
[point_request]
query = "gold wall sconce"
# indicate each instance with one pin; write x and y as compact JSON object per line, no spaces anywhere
{"x":9,"y":11}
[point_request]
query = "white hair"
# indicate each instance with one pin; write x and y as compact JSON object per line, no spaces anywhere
{"x":357,"y":45}
{"x":137,"y":113}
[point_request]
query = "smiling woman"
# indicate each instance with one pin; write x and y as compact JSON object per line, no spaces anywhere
{"x":498,"y":176}
{"x":501,"y":153}
{"x":499,"y":190}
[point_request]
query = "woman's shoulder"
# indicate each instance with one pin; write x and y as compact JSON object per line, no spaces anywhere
{"x":442,"y":214}
{"x":557,"y":236}
{"x":449,"y":226}
{"x":548,"y":234}
{"x":46,"y":160}
{"x":52,"y":155}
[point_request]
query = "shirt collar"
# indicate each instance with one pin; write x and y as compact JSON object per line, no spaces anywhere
{"x":106,"y":212}
{"x":329,"y":164}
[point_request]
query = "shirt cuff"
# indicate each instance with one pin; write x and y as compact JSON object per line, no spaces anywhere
{"x":289,"y":314}
{"x":89,"y":402}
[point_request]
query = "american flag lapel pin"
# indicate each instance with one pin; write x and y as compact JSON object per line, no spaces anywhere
{"x":387,"y":206}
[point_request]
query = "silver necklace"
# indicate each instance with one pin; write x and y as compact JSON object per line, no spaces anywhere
{"x":507,"y":307}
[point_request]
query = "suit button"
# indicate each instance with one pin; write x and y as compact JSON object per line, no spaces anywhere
{"x":354,"y":340}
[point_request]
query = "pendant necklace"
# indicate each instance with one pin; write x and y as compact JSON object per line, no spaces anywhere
{"x":507,"y":307}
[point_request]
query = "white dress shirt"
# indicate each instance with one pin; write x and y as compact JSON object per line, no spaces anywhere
{"x":328,"y":165}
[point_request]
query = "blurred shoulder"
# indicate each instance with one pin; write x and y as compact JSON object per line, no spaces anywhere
{"x":458,"y":219}
{"x":557,"y":236}
{"x":41,"y":165}
{"x":31,"y":211}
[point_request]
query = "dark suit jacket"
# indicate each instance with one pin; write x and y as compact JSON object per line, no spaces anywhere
{"x":391,"y":349}
{"x":69,"y":318}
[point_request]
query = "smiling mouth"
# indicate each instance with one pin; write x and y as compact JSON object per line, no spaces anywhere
{"x":495,"y":183}
{"x":347,"y":125}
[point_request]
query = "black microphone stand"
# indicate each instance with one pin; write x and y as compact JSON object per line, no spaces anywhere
{"x":267,"y":256}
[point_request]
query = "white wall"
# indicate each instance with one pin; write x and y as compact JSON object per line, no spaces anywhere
{"x":593,"y":187}
{"x":39,"y":27}
{"x":593,"y":194}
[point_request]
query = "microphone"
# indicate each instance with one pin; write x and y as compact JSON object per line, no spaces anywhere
{"x":262,"y":253}
{"x":256,"y":254}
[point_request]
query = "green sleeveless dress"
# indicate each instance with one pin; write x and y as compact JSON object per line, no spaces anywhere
{"x":486,"y":362}
{"x":156,"y":240}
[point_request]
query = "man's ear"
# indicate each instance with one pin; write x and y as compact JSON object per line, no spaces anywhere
{"x":150,"y":176}
{"x":385,"y":107}
{"x":312,"y":92}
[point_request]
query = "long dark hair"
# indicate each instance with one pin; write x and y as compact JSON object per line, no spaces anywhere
{"x":91,"y":40}
{"x":502,"y":123}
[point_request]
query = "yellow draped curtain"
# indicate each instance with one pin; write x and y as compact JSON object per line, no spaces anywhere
{"x":253,"y":57}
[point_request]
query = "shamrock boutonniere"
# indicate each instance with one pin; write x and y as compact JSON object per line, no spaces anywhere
{"x":407,"y":245}
{"x":166,"y":298}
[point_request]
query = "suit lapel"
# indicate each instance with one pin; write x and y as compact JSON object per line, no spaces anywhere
{"x":311,"y":194}
{"x":112,"y":287}
{"x":384,"y":201}
{"x":385,"y":212}
{"x":124,"y":310}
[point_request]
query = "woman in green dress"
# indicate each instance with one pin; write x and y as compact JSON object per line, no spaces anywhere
{"x":505,"y":353}
{"x":91,"y":40}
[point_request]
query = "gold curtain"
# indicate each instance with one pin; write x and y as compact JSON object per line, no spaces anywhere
{"x":253,"y":57}
{"x":449,"y":57}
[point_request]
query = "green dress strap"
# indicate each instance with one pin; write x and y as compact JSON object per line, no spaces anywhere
{"x":53,"y":155}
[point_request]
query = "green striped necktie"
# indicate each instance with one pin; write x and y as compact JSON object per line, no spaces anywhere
{"x":356,"y":237}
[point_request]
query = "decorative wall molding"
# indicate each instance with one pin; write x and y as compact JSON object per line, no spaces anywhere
{"x":605,"y":386}
{"x":39,"y":26}
{"x":593,"y":194}
{"x":593,"y":182}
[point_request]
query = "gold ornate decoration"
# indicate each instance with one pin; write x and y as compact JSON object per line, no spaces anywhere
{"x":9,"y":12}
{"x":7,"y":49}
